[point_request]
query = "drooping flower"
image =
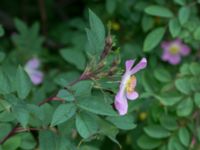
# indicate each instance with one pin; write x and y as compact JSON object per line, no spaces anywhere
{"x":32,"y":68}
{"x":127,"y":85}
{"x":173,"y":50}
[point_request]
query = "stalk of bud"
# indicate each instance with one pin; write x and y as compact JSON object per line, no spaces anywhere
{"x":107,"y":48}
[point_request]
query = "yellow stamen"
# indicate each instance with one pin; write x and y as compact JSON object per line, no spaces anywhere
{"x":130,"y":85}
{"x":174,"y":49}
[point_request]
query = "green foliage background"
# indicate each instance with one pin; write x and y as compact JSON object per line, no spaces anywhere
{"x":68,"y":36}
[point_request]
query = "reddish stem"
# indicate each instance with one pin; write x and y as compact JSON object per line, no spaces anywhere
{"x":11,"y":133}
{"x":53,"y":98}
{"x":26,"y":129}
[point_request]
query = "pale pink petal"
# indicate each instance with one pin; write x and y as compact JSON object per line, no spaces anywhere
{"x":121,"y":103}
{"x":185,"y":50}
{"x":129,"y":64}
{"x":36,"y":77}
{"x":165,"y":45}
{"x":124,"y":79}
{"x":132,"y":96}
{"x":166,"y":55}
{"x":174,"y":59}
{"x":141,"y":65}
{"x":33,"y":63}
{"x":177,"y":41}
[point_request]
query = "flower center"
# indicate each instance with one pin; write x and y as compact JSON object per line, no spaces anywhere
{"x":174,"y":49}
{"x":130,"y":85}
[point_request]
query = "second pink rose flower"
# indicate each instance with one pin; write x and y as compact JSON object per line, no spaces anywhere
{"x":174,"y":50}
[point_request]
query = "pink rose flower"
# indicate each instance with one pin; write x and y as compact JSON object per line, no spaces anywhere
{"x":32,"y":69}
{"x":174,"y":50}
{"x":127,"y":86}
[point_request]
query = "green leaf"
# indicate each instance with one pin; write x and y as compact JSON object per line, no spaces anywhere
{"x":51,"y":141}
{"x":2,"y":56}
{"x":185,"y":107}
{"x":6,"y":116}
{"x":21,"y":114}
{"x":162,"y":75}
{"x":11,"y":99}
{"x":6,"y":129}
{"x":197,"y":99}
{"x":4,"y":105}
{"x":147,"y":23}
{"x":1,"y":31}
{"x":47,"y":140}
{"x":160,"y":11}
{"x":23,"y":84}
{"x":153,"y":39}
{"x":62,"y":143}
{"x":174,"y":27}
{"x":185,"y":69}
{"x":174,"y":144}
{"x":194,"y":84}
{"x":146,"y":142}
{"x":111,"y":6}
{"x":66,"y":95}
{"x":182,"y":85}
{"x":86,"y":124}
{"x":36,"y":115}
{"x":196,"y":33}
{"x":87,"y":147}
{"x":68,"y":55}
{"x":122,"y":122}
{"x":95,"y":35}
{"x":169,"y":123}
{"x":184,"y":14}
{"x":21,"y":26}
{"x":180,"y":2}
{"x":27,"y":38}
{"x":97,"y":27}
{"x":93,"y":43}
{"x":27,"y":141}
{"x":184,"y":136}
{"x":64,"y":79}
{"x":12,"y":143}
{"x":5,"y":86}
{"x":109,"y":130}
{"x":63,"y":113}
{"x":82,"y":88}
{"x":48,"y":113}
{"x":156,"y":131}
{"x":97,"y":105}
{"x":195,"y":68}
{"x":36,"y":111}
{"x":169,"y":101}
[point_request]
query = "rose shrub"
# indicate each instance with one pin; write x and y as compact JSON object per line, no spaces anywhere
{"x":97,"y":75}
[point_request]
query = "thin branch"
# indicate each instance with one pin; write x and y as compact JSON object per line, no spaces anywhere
{"x":11,"y":133}
{"x":53,"y":98}
{"x":18,"y":130}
